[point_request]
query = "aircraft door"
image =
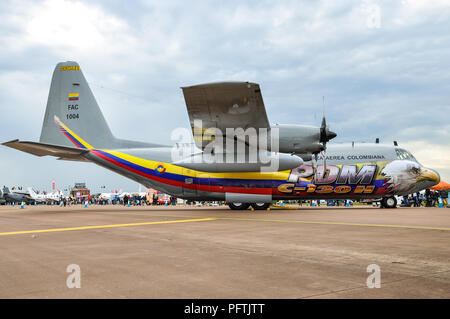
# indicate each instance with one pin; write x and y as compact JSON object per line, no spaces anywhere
{"x":189,"y":183}
{"x":203,"y":183}
{"x":215,"y":184}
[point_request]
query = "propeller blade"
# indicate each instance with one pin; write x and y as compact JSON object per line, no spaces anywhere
{"x":325,"y":133}
{"x":324,"y":136}
{"x":315,"y":167}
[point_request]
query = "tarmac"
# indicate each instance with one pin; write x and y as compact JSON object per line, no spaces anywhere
{"x":213,"y":252}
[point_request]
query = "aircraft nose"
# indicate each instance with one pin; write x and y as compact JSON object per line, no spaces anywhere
{"x":430,"y":175}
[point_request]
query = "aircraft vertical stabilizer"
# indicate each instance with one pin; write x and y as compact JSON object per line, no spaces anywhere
{"x":71,"y":100}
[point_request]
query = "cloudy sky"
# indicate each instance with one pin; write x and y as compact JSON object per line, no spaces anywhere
{"x":384,"y":67}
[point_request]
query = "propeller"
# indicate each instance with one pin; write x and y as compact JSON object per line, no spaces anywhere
{"x":324,"y":137}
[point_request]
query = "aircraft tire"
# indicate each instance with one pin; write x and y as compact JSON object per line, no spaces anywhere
{"x":238,"y":206}
{"x":389,"y":202}
{"x":260,"y":206}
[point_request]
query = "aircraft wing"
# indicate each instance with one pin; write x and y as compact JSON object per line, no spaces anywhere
{"x":225,"y":105}
{"x":42,"y":149}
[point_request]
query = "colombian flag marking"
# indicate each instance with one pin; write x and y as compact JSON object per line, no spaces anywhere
{"x":73,"y":96}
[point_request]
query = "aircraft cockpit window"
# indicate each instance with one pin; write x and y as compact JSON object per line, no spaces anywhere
{"x":404,"y":155}
{"x":412,"y":157}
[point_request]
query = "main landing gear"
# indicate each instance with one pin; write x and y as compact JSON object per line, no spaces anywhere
{"x":388,"y":202}
{"x":244,"y":206}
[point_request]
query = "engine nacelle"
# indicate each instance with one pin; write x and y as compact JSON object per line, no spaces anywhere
{"x":299,"y":139}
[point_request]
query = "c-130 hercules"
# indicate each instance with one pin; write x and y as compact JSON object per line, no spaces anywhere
{"x":74,"y":129}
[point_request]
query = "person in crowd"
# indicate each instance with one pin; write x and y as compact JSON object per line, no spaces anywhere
{"x":416,"y":200}
{"x":405,"y":201}
{"x":435,"y":198}
{"x":428,"y":199}
{"x":421,"y":199}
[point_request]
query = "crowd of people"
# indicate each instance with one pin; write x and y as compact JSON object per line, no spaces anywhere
{"x":429,"y":199}
{"x":136,"y":200}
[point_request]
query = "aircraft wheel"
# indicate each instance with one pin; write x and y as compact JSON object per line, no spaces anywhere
{"x":260,"y":206}
{"x":389,"y":202}
{"x":238,"y":206}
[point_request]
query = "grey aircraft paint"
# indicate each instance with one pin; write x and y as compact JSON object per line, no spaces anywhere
{"x":71,"y":100}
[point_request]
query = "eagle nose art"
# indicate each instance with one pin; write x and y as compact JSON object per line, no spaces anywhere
{"x":429,"y":175}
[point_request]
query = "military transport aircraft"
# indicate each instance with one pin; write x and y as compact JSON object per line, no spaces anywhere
{"x":15,"y":196}
{"x":286,"y":166}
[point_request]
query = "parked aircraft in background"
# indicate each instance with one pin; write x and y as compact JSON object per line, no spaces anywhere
{"x":55,"y":196}
{"x":128,"y":194}
{"x":110,"y":196}
{"x":37,"y":197}
{"x":15,"y":195}
{"x":75,"y":129}
{"x":2,"y":198}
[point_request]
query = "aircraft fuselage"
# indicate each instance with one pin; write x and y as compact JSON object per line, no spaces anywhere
{"x":369,"y":171}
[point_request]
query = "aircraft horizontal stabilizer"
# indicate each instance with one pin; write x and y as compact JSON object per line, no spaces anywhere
{"x":42,"y":149}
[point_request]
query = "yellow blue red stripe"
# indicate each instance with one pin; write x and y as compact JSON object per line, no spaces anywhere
{"x":74,"y":138}
{"x":175,"y":175}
